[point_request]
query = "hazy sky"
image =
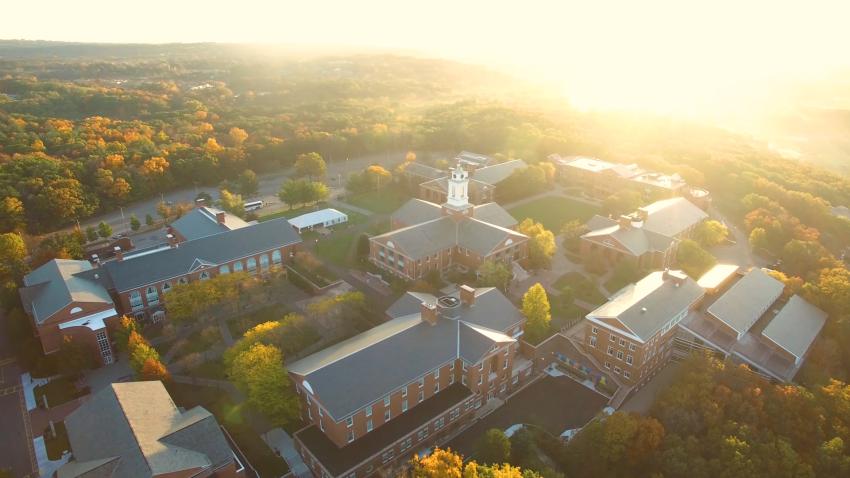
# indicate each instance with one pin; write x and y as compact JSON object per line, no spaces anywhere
{"x":679,"y":56}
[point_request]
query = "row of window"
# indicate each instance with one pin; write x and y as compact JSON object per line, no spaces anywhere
{"x":618,"y":370}
{"x":629,"y":359}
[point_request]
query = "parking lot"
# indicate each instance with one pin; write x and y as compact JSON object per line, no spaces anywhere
{"x":555,"y":404}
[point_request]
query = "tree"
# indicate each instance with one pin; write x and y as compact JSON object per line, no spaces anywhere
{"x":149,"y":220}
{"x":13,"y":253}
{"x":135,"y":224}
{"x":363,"y":245}
{"x":292,"y":192}
{"x":832,"y":290}
{"x":91,"y":233}
{"x":622,"y":202}
{"x":231,"y":203}
{"x":74,"y":357}
{"x":572,"y":232}
{"x":11,"y":214}
{"x":259,"y":373}
{"x":163,"y":209}
{"x":104,"y":230}
{"x":442,"y":463}
{"x":693,"y":259}
{"x":804,"y":258}
{"x":237,"y":136}
{"x":494,"y":447}
{"x":311,"y":165}
{"x":154,"y":369}
{"x":541,"y":244}
{"x":315,"y":191}
{"x":710,"y":233}
{"x":248,"y":183}
{"x":536,"y":309}
{"x":494,"y":274}
{"x":410,"y":157}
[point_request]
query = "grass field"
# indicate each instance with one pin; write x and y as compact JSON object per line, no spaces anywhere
{"x":553,"y":211}
{"x":385,"y":201}
{"x":583,"y":288}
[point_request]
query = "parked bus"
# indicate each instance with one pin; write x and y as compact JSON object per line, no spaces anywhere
{"x":253,"y":205}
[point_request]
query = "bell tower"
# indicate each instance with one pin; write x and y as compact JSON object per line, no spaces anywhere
{"x":458,"y":194}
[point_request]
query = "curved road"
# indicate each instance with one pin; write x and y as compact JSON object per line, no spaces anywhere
{"x":338,"y":171}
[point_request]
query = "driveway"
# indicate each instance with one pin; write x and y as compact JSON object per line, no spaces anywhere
{"x":16,"y":447}
{"x":555,"y":404}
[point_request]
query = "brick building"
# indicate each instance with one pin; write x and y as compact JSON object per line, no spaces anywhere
{"x":602,"y":179}
{"x":81,"y":300}
{"x":409,"y":384}
{"x":483,"y":180}
{"x":429,"y":237}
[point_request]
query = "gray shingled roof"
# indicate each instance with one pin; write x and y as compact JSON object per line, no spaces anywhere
{"x":796,"y":326}
{"x":669,"y":217}
{"x":57,"y":284}
{"x":424,"y":170}
{"x":201,"y":222}
{"x":644,"y":307}
{"x":166,"y":263}
{"x":139,"y":423}
{"x":498,"y":172}
{"x":742,"y":305}
{"x":494,"y":214}
{"x":416,"y":211}
{"x":637,"y":240}
{"x":354,"y":373}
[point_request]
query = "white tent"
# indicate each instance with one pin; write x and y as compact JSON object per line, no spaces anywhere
{"x":323,"y":218}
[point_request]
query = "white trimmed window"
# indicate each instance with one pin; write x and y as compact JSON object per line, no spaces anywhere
{"x":225,"y":269}
{"x":237,"y":266}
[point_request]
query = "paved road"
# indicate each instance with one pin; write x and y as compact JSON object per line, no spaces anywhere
{"x":16,"y":448}
{"x":338,"y":172}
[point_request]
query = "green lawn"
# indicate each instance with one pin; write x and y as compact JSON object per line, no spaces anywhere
{"x":553,"y":212}
{"x":58,"y":391}
{"x":233,"y":417}
{"x":337,"y":247}
{"x":583,"y":288}
{"x":213,"y":369}
{"x":384,"y":201}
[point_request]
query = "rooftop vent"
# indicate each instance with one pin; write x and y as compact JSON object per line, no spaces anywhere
{"x":643,"y":310}
{"x":448,"y":306}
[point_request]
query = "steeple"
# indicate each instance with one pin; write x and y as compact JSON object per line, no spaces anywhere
{"x":458,"y":194}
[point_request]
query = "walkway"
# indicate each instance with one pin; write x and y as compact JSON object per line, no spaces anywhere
{"x":41,"y":418}
{"x":280,"y":441}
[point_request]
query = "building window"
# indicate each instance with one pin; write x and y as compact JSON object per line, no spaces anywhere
{"x":436,"y":387}
{"x":350,"y":436}
{"x":205,"y":275}
{"x":264,"y":263}
{"x":515,"y":380}
{"x":237,"y":266}
{"x":421,"y":395}
{"x":103,"y":345}
{"x":369,"y":425}
{"x":480,"y":378}
{"x":437,"y":374}
{"x":387,"y":415}
{"x":387,"y":401}
{"x":320,"y":411}
{"x":407,"y":443}
{"x":166,"y":286}
{"x":439,"y":423}
{"x":349,"y":422}
{"x":619,"y":355}
{"x":627,"y":374}
{"x":136,"y":299}
{"x":610,"y":350}
{"x":503,"y":388}
{"x":421,"y":434}
{"x":632,"y":347}
{"x":622,"y":342}
{"x":276,"y":257}
{"x":321,"y":423}
{"x":404,"y":405}
{"x":404,"y":392}
{"x":182,"y":281}
{"x":369,"y":411}
{"x":594,"y":330}
{"x":629,"y":359}
{"x":451,"y":379}
{"x":387,"y":456}
{"x":455,"y":413}
{"x":252,"y":265}
{"x":607,"y":365}
{"x":613,"y":339}
{"x":617,"y":370}
{"x":463,"y":379}
{"x":225,"y":269}
{"x":593,"y":341}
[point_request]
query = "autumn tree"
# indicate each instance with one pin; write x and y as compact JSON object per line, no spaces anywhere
{"x":248,"y":183}
{"x":11,"y":214}
{"x":13,"y":254}
{"x":541,"y":244}
{"x":571,"y":232}
{"x":231,"y":202}
{"x":311,"y":165}
{"x":135,"y":224}
{"x":693,"y":259}
{"x":536,"y":309}
{"x":803,"y":258}
{"x":154,"y":369}
{"x":237,"y":136}
{"x":710,"y":233}
{"x":259,"y":373}
{"x":104,"y":230}
{"x":494,"y":274}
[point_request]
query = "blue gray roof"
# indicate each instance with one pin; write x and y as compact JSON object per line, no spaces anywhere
{"x":166,"y":263}
{"x":202,"y":222}
{"x":57,"y":284}
{"x":354,"y":373}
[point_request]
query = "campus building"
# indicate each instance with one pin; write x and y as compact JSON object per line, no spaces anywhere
{"x":484,"y":179}
{"x":667,"y":315}
{"x":602,"y":179}
{"x":430,"y":237}
{"x":135,"y":430}
{"x":649,"y":237}
{"x":82,"y":300}
{"x":409,"y":384}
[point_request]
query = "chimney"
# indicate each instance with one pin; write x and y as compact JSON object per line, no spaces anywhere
{"x":467,"y":295}
{"x":643,"y":214}
{"x":428,"y":312}
{"x":219,"y":216}
{"x":119,"y":254}
{"x":172,"y":241}
{"x":625,"y":222}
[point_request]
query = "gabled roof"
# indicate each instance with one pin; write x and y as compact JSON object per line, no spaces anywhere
{"x":670,"y":217}
{"x":742,"y":305}
{"x":636,"y":240}
{"x":645,"y":306}
{"x":416,"y":211}
{"x":57,"y":284}
{"x":166,"y":263}
{"x":139,"y":423}
{"x":317,"y":217}
{"x":796,"y":326}
{"x":475,"y":159}
{"x":202,"y":222}
{"x":493,"y":213}
{"x":498,"y":172}
{"x":423,"y":170}
{"x":354,"y":373}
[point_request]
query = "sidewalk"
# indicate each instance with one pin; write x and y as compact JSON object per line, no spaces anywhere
{"x":280,"y":441}
{"x":41,"y":418}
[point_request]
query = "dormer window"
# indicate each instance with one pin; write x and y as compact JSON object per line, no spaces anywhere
{"x":76,"y":310}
